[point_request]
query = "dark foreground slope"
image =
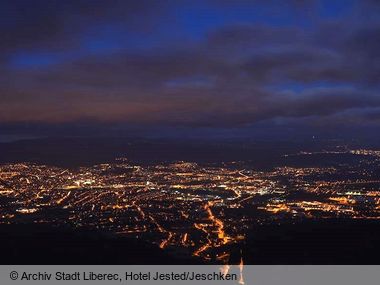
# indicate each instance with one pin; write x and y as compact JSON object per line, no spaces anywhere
{"x":312,"y":242}
{"x":37,"y":244}
{"x":327,"y":242}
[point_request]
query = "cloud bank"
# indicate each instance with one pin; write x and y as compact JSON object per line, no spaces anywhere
{"x":214,"y":64}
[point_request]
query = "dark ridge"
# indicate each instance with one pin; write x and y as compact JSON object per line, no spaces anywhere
{"x":42,"y":244}
{"x":322,"y":242}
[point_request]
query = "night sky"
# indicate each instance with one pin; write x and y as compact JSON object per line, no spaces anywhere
{"x":208,"y":67}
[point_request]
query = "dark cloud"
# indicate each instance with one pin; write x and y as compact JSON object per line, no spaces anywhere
{"x":234,"y":74}
{"x":58,"y":24}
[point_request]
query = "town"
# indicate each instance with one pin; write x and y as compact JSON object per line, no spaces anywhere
{"x":184,"y":207}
